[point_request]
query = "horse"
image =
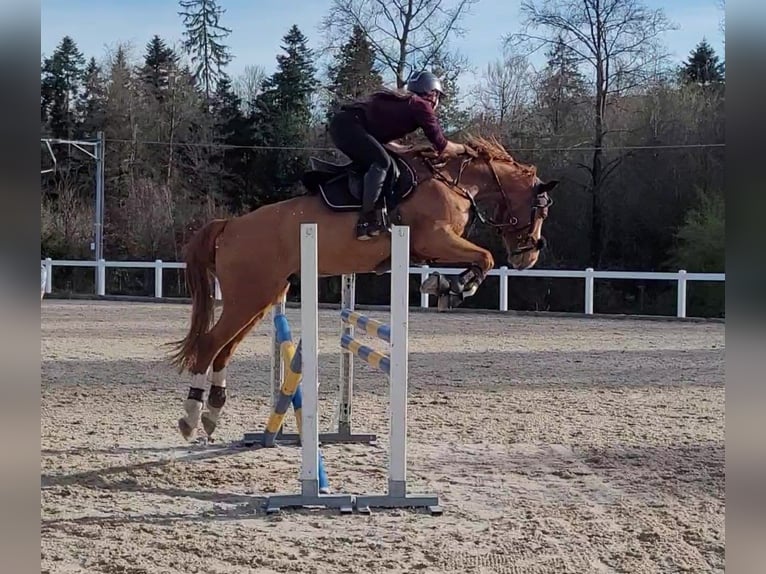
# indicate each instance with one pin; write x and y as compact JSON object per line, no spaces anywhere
{"x":254,"y":255}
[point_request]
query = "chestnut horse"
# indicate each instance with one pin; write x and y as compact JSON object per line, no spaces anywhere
{"x":254,"y":255}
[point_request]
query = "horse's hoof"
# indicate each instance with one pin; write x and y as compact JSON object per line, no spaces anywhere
{"x":208,"y":424}
{"x":435,"y":284}
{"x":185,"y":428}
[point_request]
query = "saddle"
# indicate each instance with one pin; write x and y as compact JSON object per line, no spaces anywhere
{"x":340,"y":185}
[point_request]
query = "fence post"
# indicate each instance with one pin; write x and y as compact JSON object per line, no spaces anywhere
{"x":48,"y":275}
{"x":423,"y":296}
{"x":158,"y":278}
{"x":589,"y":289}
{"x":681,"y":307}
{"x":101,"y":278}
{"x":504,"y":288}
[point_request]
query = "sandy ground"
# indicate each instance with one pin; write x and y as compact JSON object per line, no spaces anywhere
{"x":556,"y":445}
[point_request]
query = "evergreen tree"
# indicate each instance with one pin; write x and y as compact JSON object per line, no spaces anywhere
{"x":203,"y":42}
{"x":232,"y":128}
{"x":60,"y":86}
{"x":91,"y":105}
{"x":353,"y":74}
{"x":159,"y":63}
{"x":282,"y":117}
{"x":120,"y":120}
{"x":703,"y":67}
{"x":563,"y":86}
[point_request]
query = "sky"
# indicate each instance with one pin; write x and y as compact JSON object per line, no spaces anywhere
{"x":259,"y":25}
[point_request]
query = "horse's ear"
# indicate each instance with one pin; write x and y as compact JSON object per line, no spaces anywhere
{"x":546,"y":186}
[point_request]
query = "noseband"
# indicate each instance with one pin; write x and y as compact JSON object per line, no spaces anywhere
{"x":542,"y":201}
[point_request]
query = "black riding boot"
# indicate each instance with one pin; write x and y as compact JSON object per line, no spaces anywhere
{"x":371,"y":221}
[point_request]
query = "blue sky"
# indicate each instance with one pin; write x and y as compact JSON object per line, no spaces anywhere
{"x":258,"y":26}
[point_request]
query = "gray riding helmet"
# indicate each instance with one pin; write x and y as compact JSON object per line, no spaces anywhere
{"x":424,"y":82}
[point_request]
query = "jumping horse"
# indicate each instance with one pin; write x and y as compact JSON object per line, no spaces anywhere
{"x":254,"y":255}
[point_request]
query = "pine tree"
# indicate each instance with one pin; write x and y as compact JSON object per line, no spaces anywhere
{"x":159,"y":63}
{"x":91,"y":105}
{"x":353,"y":74}
{"x":282,"y":117}
{"x":703,"y":67}
{"x":203,"y":42}
{"x":60,"y":87}
{"x":232,"y":128}
{"x":563,"y":86}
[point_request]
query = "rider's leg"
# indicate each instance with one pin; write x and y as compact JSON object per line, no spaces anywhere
{"x":349,"y":135}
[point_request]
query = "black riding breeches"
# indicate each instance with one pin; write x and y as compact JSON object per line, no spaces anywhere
{"x":349,"y":135}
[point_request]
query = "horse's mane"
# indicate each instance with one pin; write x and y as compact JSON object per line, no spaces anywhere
{"x":491,"y":149}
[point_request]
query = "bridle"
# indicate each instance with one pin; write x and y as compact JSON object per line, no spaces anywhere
{"x":541,"y":203}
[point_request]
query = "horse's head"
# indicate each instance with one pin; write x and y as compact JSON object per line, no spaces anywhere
{"x":519,"y":202}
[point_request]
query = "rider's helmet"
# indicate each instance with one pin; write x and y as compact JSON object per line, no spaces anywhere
{"x":424,"y":83}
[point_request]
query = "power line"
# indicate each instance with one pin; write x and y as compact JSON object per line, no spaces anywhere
{"x":315,"y":148}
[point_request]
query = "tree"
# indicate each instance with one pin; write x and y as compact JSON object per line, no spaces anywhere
{"x":203,"y":42}
{"x":60,"y":87}
{"x":353,"y":73}
{"x":248,"y":85}
{"x":701,"y":248}
{"x":282,"y":118}
{"x":503,"y":89}
{"x":402,"y":32}
{"x":232,"y":128}
{"x":91,"y":105}
{"x":703,"y":66}
{"x":619,"y":41}
{"x":563,"y":87}
{"x":159,"y":63}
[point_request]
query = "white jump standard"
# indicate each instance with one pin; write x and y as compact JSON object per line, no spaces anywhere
{"x":309,"y":475}
{"x":396,"y":365}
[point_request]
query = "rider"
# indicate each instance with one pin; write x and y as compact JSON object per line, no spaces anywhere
{"x":360,"y":128}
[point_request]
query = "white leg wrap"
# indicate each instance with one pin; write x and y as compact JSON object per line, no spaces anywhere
{"x":219,"y":378}
{"x":194,"y":408}
{"x":198,"y":382}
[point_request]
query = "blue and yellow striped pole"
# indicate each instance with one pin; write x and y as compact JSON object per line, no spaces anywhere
{"x":369,"y":326}
{"x":290,"y":392}
{"x":367,"y":354}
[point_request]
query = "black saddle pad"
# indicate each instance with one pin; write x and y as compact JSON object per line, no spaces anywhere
{"x":341,"y":184}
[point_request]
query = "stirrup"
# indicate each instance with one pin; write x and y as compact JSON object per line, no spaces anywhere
{"x":362,"y":233}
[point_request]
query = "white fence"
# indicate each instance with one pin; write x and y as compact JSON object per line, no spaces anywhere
{"x":681,"y":278}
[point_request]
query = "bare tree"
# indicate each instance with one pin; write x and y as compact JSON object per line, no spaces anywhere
{"x":619,"y":42}
{"x":403,"y":32}
{"x":504,"y":88}
{"x":247,"y":85}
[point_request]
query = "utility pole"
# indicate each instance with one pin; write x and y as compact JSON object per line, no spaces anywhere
{"x":98,"y":230}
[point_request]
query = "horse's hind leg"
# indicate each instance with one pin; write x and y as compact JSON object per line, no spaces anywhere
{"x":236,"y":320}
{"x":217,"y":396}
{"x":233,"y":320}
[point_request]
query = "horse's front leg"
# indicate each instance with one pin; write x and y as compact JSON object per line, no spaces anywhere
{"x":443,"y":246}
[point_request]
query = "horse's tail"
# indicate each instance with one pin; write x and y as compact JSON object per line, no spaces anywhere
{"x":199,"y":255}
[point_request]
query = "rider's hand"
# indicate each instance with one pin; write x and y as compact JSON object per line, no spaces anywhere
{"x":452,"y":150}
